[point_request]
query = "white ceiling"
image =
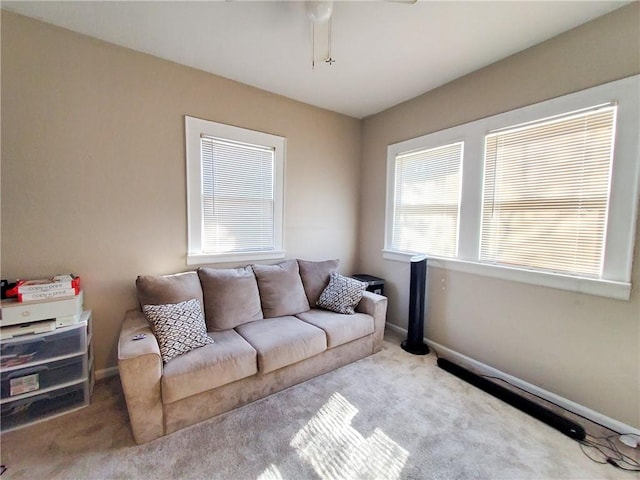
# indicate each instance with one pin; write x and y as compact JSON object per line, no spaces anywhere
{"x":386,"y":52}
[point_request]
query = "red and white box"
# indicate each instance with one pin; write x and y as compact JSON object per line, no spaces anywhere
{"x":60,"y":286}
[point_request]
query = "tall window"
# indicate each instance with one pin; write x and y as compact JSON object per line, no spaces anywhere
{"x":546,"y":193}
{"x":235,"y":193}
{"x":427,"y":200}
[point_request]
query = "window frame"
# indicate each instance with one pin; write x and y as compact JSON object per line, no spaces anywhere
{"x":615,"y":281}
{"x":194,"y":129}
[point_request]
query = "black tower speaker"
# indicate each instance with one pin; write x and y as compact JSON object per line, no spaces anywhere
{"x":415,"y":333}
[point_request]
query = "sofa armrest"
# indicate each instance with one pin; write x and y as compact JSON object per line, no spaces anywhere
{"x":140,"y":367}
{"x":376,"y":306}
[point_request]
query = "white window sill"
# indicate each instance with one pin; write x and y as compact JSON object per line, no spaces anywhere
{"x":590,"y":286}
{"x":203,"y":259}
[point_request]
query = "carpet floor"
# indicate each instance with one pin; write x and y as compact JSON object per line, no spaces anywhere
{"x":389,"y":416}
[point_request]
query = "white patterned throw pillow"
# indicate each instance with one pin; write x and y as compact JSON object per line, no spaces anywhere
{"x":179,"y":327}
{"x":342,"y":294}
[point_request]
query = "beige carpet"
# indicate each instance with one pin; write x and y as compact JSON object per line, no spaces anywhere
{"x":389,"y":416}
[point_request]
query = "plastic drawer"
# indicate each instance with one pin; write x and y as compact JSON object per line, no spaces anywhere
{"x":39,"y":377}
{"x":37,"y":348}
{"x":46,"y":405}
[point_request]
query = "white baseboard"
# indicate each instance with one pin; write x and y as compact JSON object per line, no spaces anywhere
{"x":106,"y":372}
{"x":565,"y":403}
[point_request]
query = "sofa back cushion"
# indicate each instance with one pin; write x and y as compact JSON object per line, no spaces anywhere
{"x":165,"y":289}
{"x":281,"y":289}
{"x":315,"y":277}
{"x":231,"y":297}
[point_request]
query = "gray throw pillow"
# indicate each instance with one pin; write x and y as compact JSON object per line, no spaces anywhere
{"x":315,"y":277}
{"x":165,"y":289}
{"x":281,"y":289}
{"x":231,"y":297}
{"x":179,"y":327}
{"x":342,"y":294}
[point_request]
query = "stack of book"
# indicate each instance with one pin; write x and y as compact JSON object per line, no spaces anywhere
{"x":60,"y":286}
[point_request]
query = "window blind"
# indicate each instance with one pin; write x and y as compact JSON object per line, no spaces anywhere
{"x":427,"y":200}
{"x":238,"y":196}
{"x":546,"y":193}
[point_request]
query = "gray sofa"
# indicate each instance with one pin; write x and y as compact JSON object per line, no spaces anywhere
{"x":267,"y":337}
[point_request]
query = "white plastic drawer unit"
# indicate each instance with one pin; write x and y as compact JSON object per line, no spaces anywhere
{"x":42,"y":376}
{"x":45,"y":375}
{"x":20,"y":352}
{"x":28,"y":410}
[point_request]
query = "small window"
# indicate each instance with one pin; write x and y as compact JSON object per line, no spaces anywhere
{"x":546,"y":193}
{"x":235,"y":192}
{"x":427,"y":200}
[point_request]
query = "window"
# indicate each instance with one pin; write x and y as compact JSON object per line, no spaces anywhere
{"x":427,"y":198}
{"x":548,"y":193}
{"x":235,"y":193}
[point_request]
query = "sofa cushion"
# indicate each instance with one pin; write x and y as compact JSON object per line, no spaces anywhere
{"x":179,"y":327}
{"x":229,"y":359}
{"x":342,"y":294}
{"x":315,"y":277}
{"x":231,"y":297}
{"x":165,"y":289}
{"x":339,"y":328}
{"x":282,"y":341}
{"x":281,"y":289}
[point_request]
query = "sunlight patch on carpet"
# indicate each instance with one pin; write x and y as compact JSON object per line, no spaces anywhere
{"x":336,"y":450}
{"x":271,"y":473}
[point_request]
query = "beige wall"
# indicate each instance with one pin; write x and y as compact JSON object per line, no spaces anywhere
{"x":582,"y":347}
{"x":93,"y":167}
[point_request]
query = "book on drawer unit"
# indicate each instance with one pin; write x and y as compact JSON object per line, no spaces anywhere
{"x":59,"y":286}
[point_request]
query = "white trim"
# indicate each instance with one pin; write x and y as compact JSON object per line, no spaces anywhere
{"x":404,"y":257}
{"x":202,"y":259}
{"x":106,"y":372}
{"x":625,"y":186}
{"x":591,"y":286}
{"x":565,"y":403}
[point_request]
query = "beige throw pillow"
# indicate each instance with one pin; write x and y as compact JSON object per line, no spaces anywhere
{"x":231,"y":297}
{"x":166,"y":289}
{"x":281,"y":289}
{"x":315,"y":277}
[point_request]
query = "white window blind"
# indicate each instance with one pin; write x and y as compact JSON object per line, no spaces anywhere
{"x":427,"y":200}
{"x":238,"y":196}
{"x":546,"y":193}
